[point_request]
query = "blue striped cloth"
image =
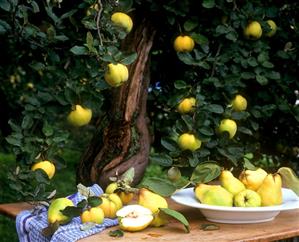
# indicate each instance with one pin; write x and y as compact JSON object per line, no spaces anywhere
{"x":29,"y":224}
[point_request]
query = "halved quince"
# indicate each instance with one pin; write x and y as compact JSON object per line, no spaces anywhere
{"x":134,"y":217}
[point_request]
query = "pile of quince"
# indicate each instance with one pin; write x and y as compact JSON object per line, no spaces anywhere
{"x":253,"y":188}
{"x":134,"y":213}
{"x":113,"y":204}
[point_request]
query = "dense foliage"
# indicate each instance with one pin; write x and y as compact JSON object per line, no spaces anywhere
{"x":54,"y":55}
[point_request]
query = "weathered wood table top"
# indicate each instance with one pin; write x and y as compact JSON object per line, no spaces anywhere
{"x":285,"y":225}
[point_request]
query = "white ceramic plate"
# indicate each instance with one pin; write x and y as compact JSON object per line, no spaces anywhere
{"x":238,"y":215}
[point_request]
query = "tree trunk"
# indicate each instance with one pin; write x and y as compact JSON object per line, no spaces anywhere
{"x":124,"y":142}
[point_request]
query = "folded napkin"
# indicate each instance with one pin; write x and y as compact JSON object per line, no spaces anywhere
{"x":29,"y":224}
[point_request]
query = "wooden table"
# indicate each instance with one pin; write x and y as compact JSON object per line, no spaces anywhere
{"x":285,"y":225}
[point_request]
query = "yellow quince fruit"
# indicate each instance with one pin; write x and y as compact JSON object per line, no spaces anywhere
{"x":54,"y":212}
{"x":116,"y":74}
{"x":94,"y":215}
{"x":239,"y":103}
{"x":46,"y":166}
{"x":183,"y":43}
{"x":79,"y":116}
{"x":154,"y":202}
{"x":122,"y":20}
{"x":273,"y":28}
{"x":186,"y":105}
{"x":189,"y":142}
{"x":228,"y":125}
{"x":134,"y":217}
{"x":253,"y":30}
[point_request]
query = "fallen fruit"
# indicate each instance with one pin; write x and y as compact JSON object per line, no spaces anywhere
{"x":94,"y":215}
{"x":111,"y":203}
{"x":134,"y":217}
{"x":154,"y":202}
{"x":54,"y":211}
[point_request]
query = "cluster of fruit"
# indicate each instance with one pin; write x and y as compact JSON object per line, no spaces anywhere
{"x":115,"y":75}
{"x":188,"y":141}
{"x":115,"y":204}
{"x":254,"y":29}
{"x":253,"y":188}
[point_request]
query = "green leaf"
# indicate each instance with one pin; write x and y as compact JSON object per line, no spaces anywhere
{"x":190,"y":24}
{"x":274,"y":75}
{"x":14,"y":139}
{"x":205,"y":172}
{"x":178,"y":216}
{"x":222,"y":29}
{"x":168,"y":144}
{"x":35,"y":7}
{"x":94,"y":201}
{"x":261,"y":80}
{"x":160,"y":186}
{"x":215,"y":108}
{"x":226,"y":154}
{"x":193,"y":160}
{"x":89,"y":40}
{"x":129,"y":59}
{"x":208,"y":3}
{"x":50,"y":229}
{"x":116,"y":233}
{"x":252,"y":62}
{"x":128,"y":176}
{"x":82,"y":204}
{"x":209,"y":227}
{"x":5,"y":5}
{"x":27,"y":122}
{"x":267,"y":64}
{"x":206,"y":131}
{"x":233,"y":36}
{"x":248,"y":165}
{"x":245,"y":130}
{"x":247,"y":75}
{"x":4,"y":27}
{"x":71,"y":211}
{"x":161,"y":159}
{"x":200,"y":39}
{"x":180,"y":84}
{"x":68,"y":14}
{"x":79,"y":50}
{"x":47,"y":129}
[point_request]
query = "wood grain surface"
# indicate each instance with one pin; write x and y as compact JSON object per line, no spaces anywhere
{"x":285,"y":225}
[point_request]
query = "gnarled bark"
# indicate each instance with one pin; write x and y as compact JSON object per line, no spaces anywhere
{"x":125,"y":142}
